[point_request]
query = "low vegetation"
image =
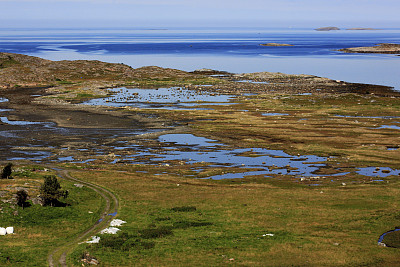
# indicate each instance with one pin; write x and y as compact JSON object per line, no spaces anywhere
{"x":38,"y":228}
{"x":173,"y":220}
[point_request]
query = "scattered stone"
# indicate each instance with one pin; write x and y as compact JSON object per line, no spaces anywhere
{"x":110,"y":230}
{"x":79,"y":185}
{"x":37,"y":201}
{"x":381,"y":244}
{"x":268,"y":235}
{"x":89,"y":259}
{"x":117,"y":222}
{"x":94,"y":240}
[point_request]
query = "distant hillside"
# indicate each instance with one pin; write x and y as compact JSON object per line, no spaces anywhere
{"x":18,"y":70}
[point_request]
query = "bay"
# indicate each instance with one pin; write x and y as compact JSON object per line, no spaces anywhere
{"x":235,"y":50}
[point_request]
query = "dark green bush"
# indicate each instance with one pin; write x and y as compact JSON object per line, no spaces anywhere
{"x":7,"y":170}
{"x":184,"y":209}
{"x":155,"y":232}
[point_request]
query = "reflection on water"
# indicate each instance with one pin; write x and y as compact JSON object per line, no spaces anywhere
{"x":21,"y":123}
{"x":169,"y":98}
{"x":389,"y":127}
{"x":274,"y":114}
{"x":369,"y":117}
{"x":192,"y":150}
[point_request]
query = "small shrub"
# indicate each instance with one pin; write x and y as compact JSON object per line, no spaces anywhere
{"x":184,"y":209}
{"x":125,"y":242}
{"x":22,"y":196}
{"x":155,"y":232}
{"x":161,"y":219}
{"x":188,"y":224}
{"x":7,"y":170}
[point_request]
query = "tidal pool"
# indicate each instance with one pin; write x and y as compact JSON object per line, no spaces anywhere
{"x":274,"y":114}
{"x":369,"y":117}
{"x":251,"y":81}
{"x":389,"y":127}
{"x":21,"y":123}
{"x":192,"y":149}
{"x":171,"y":98}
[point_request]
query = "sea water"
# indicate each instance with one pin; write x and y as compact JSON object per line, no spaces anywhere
{"x":235,"y":50}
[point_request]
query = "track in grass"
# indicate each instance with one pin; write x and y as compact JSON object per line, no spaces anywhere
{"x":58,"y":256}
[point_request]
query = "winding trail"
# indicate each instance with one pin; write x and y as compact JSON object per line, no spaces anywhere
{"x":59,"y":255}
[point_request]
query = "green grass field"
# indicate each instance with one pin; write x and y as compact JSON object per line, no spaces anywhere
{"x":174,"y":221}
{"x":37,"y":229}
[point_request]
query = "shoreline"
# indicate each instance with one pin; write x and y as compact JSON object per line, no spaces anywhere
{"x":383,"y":48}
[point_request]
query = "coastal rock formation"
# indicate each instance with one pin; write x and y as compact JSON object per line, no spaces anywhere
{"x":18,"y":70}
{"x":327,"y":29}
{"x":276,"y":44}
{"x":361,"y":29}
{"x":379,"y":48}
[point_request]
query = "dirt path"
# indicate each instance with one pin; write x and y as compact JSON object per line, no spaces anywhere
{"x":58,"y":256}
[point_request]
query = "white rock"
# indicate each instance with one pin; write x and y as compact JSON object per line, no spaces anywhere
{"x":117,"y":222}
{"x":95,"y":239}
{"x":268,"y":235}
{"x":3,"y":231}
{"x":10,"y":230}
{"x":110,"y":230}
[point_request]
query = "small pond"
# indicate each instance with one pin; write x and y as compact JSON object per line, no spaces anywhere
{"x":170,"y":98}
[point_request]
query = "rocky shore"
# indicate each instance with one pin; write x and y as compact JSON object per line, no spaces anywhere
{"x":87,"y":79}
{"x":378,"y":49}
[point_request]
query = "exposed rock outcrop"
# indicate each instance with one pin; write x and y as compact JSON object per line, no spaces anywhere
{"x":379,"y":48}
{"x":328,"y":29}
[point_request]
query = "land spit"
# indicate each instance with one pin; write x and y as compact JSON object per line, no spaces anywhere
{"x":377,"y":49}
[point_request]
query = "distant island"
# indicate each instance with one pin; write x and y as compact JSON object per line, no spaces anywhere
{"x":327,"y":29}
{"x":349,"y":29}
{"x":362,"y":29}
{"x":379,"y":48}
{"x":276,"y":44}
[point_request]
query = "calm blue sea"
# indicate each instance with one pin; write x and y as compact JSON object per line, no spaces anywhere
{"x":231,"y":49}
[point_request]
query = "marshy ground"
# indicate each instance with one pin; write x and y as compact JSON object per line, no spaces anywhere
{"x":296,"y":169}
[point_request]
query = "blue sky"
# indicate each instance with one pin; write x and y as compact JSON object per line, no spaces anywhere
{"x":158,"y":13}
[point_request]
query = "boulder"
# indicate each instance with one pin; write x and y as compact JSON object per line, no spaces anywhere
{"x":3,"y":231}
